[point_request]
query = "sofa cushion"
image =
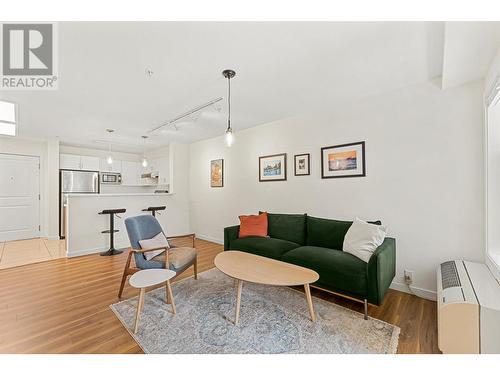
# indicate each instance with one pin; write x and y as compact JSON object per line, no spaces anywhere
{"x":268,"y":247}
{"x":327,"y":232}
{"x":253,"y":225}
{"x":338,"y":270}
{"x":289,"y":227}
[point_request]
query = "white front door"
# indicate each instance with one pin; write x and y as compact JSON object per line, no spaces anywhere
{"x":19,"y":197}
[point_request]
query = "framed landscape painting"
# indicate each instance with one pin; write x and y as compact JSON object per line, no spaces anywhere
{"x":302,"y":165}
{"x":217,"y":173}
{"x":347,"y":160}
{"x":272,"y":168}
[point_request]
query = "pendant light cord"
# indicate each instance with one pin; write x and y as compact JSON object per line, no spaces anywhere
{"x":229,"y":103}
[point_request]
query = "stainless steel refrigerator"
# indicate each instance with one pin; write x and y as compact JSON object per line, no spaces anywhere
{"x":76,"y":182}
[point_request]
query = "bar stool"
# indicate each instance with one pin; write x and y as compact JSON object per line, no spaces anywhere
{"x":112,"y":230}
{"x":154,"y":209}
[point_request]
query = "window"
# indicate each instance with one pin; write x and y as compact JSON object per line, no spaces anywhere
{"x":8,"y":118}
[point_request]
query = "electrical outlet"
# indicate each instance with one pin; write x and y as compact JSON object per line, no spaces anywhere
{"x":408,"y":276}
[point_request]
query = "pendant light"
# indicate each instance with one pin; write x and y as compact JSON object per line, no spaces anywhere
{"x":228,"y":73}
{"x":144,"y":160}
{"x":109,"y":159}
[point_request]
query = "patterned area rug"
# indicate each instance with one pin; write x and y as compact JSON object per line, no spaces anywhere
{"x":272,"y":320}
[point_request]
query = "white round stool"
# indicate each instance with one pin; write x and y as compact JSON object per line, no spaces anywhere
{"x":145,"y":278}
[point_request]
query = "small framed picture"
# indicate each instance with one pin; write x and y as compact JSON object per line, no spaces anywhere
{"x":272,"y":168}
{"x":347,"y":160}
{"x":302,"y":165}
{"x":217,"y":173}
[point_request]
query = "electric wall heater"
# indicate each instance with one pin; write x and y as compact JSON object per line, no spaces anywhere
{"x":468,"y":308}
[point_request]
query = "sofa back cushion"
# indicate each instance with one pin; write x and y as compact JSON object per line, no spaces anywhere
{"x":327,"y":232}
{"x":288,"y":227}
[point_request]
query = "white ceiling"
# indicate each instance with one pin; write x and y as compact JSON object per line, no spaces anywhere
{"x":469,"y":50}
{"x":282,"y":69}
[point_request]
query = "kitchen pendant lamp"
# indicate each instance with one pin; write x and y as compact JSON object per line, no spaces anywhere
{"x":144,"y":160}
{"x":109,"y":159}
{"x":229,"y":131}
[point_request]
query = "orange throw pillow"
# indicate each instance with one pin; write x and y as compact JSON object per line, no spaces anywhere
{"x":253,"y":225}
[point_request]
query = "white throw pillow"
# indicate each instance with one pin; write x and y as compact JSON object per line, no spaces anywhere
{"x":362,"y":239}
{"x":156,"y":241}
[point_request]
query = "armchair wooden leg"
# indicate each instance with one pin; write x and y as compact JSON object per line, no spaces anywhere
{"x":196,"y":268}
{"x":125,"y":274}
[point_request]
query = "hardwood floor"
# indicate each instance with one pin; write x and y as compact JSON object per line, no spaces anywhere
{"x":62,"y":306}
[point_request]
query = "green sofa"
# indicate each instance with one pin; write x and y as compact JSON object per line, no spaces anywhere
{"x":317,"y":244}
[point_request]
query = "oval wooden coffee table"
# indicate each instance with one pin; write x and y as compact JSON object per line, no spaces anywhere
{"x":261,"y":270}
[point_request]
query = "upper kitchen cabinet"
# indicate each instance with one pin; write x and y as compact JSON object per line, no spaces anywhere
{"x":90,"y":163}
{"x":78,"y":162}
{"x":115,"y":167}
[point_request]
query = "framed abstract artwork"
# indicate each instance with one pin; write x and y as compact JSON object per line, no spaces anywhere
{"x":302,"y":165}
{"x":217,"y":173}
{"x":272,"y":168}
{"x":347,"y":160}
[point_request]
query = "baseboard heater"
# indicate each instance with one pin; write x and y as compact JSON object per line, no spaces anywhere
{"x":468,"y":308}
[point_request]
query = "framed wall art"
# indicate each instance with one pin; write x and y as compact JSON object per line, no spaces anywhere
{"x":217,"y":173}
{"x":272,"y":168}
{"x":302,"y":165}
{"x":347,"y":160}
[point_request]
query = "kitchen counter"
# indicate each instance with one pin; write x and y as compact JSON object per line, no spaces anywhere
{"x":117,"y":194}
{"x":84,"y":224}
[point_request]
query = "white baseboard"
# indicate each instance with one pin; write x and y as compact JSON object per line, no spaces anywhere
{"x":209,"y":238}
{"x":419,"y":292}
{"x":78,"y":253}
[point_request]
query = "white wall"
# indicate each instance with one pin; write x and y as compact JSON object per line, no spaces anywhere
{"x":424,"y":163}
{"x":47,"y":152}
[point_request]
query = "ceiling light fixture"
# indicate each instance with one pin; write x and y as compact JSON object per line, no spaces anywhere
{"x":144,"y":160}
{"x":109,"y":159}
{"x":185,"y":114}
{"x":228,"y":73}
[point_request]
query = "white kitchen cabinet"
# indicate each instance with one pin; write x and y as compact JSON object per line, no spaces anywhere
{"x":90,"y":163}
{"x":115,"y":167}
{"x":131,"y":171}
{"x":68,"y":161}
{"x":78,"y":162}
{"x":163,"y":168}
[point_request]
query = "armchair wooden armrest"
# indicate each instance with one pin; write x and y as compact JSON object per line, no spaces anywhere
{"x":190,"y":235}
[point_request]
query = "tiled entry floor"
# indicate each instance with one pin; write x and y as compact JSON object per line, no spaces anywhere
{"x":18,"y":253}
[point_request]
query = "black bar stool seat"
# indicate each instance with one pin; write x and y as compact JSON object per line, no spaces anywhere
{"x":154,"y":209}
{"x":111,"y":231}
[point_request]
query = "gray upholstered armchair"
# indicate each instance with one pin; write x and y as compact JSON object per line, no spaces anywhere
{"x":177,"y":259}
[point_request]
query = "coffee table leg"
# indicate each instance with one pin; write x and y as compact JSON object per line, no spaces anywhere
{"x":309,"y":302}
{"x":238,"y":301}
{"x":171,"y":297}
{"x":140,"y":303}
